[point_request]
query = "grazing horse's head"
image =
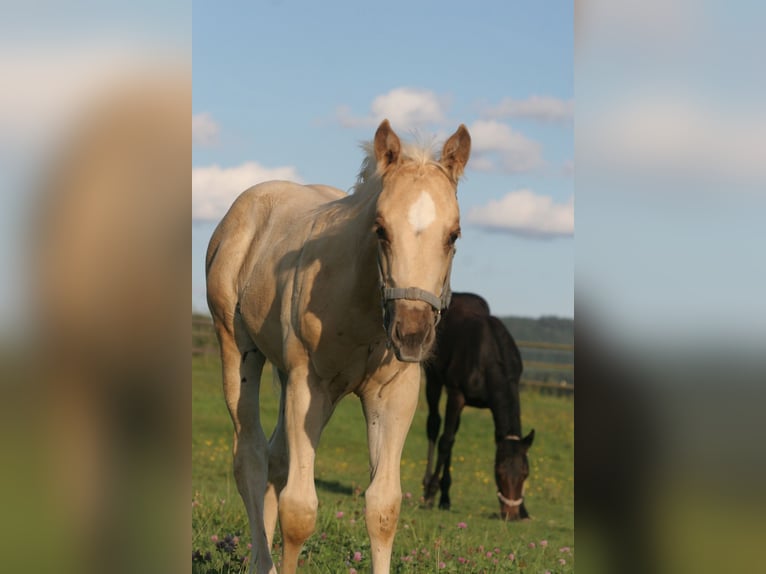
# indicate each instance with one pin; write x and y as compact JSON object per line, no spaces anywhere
{"x":417,"y":222}
{"x":511,"y":470}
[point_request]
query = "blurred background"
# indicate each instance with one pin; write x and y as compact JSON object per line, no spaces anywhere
{"x":95,"y":159}
{"x":95,"y":152}
{"x":670,"y":281}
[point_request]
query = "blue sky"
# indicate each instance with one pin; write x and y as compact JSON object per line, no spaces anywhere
{"x":671,"y":173}
{"x":288,"y":90}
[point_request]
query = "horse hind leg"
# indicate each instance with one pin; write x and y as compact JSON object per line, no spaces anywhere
{"x":242,"y":367}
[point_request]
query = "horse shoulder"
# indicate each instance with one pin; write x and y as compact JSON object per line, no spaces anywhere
{"x":253,"y":254}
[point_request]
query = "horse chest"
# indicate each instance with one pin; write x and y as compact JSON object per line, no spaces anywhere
{"x":341,"y":373}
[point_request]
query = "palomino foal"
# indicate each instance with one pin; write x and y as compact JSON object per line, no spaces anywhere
{"x":341,"y":293}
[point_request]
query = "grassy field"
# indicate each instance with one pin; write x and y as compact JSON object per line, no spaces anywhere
{"x":467,"y":538}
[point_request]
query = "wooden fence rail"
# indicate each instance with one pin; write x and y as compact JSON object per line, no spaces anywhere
{"x":563,"y":388}
{"x":546,"y":346}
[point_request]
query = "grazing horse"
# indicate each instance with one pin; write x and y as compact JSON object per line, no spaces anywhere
{"x":479,"y":364}
{"x":341,"y":293}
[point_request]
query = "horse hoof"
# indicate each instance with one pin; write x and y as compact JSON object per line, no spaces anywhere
{"x":444,"y":505}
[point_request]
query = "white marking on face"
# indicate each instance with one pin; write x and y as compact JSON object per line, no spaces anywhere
{"x":422,"y":212}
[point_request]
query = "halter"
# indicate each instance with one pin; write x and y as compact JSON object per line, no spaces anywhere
{"x":508,"y":501}
{"x":439,"y":303}
{"x":503,"y":499}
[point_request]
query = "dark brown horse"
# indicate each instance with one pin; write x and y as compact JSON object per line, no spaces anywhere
{"x":479,"y":364}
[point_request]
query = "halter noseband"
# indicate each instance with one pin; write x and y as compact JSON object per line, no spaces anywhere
{"x":439,"y":303}
{"x":508,"y":501}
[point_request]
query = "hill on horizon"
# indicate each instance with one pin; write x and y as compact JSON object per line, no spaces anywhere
{"x":545,"y":329}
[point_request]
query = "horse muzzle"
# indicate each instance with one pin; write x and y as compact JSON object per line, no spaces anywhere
{"x":410,"y":326}
{"x":512,"y":509}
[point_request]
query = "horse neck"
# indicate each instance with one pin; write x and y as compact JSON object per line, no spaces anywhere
{"x":506,"y":412}
{"x":506,"y":407}
{"x":357,"y":216}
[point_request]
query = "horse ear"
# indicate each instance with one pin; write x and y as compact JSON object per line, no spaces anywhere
{"x":387,"y":146}
{"x":527,"y":440}
{"x":456,"y":151}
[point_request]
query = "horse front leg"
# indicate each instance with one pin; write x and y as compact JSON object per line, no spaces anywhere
{"x":455,"y":404}
{"x":446,"y":481}
{"x":433,"y":394}
{"x":278,"y":465}
{"x":388,"y":409}
{"x":307,"y":409}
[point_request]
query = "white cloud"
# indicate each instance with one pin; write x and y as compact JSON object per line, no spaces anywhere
{"x":522,"y":212}
{"x":675,"y":139}
{"x":215,"y":188}
{"x":496,"y":145}
{"x":405,"y":108}
{"x":542,"y":108}
{"x":205,"y":130}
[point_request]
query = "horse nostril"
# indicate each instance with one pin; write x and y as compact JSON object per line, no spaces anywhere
{"x":412,"y":331}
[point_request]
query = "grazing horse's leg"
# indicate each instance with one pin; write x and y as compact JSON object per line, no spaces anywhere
{"x":307,"y":409}
{"x":242,"y":366}
{"x":455,"y":404}
{"x":433,"y":394}
{"x":446,"y":481}
{"x":388,"y":409}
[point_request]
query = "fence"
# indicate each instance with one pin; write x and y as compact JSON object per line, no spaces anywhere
{"x":548,"y":367}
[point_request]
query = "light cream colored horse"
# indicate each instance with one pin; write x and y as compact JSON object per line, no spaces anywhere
{"x":342,"y":294}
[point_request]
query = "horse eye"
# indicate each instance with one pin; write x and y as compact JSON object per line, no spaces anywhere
{"x":453,"y":237}
{"x":380,"y":231}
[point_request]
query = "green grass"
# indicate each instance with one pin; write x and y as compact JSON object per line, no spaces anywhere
{"x":426,"y":539}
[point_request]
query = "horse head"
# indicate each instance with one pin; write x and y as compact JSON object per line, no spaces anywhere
{"x":417,"y":222}
{"x":511,"y":470}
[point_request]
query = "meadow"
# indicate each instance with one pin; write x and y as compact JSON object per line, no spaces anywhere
{"x":467,"y":538}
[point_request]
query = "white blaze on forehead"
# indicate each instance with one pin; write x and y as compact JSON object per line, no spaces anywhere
{"x":422,"y":212}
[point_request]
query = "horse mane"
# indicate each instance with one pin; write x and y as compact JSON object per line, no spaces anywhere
{"x":420,"y":154}
{"x":368,"y":183}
